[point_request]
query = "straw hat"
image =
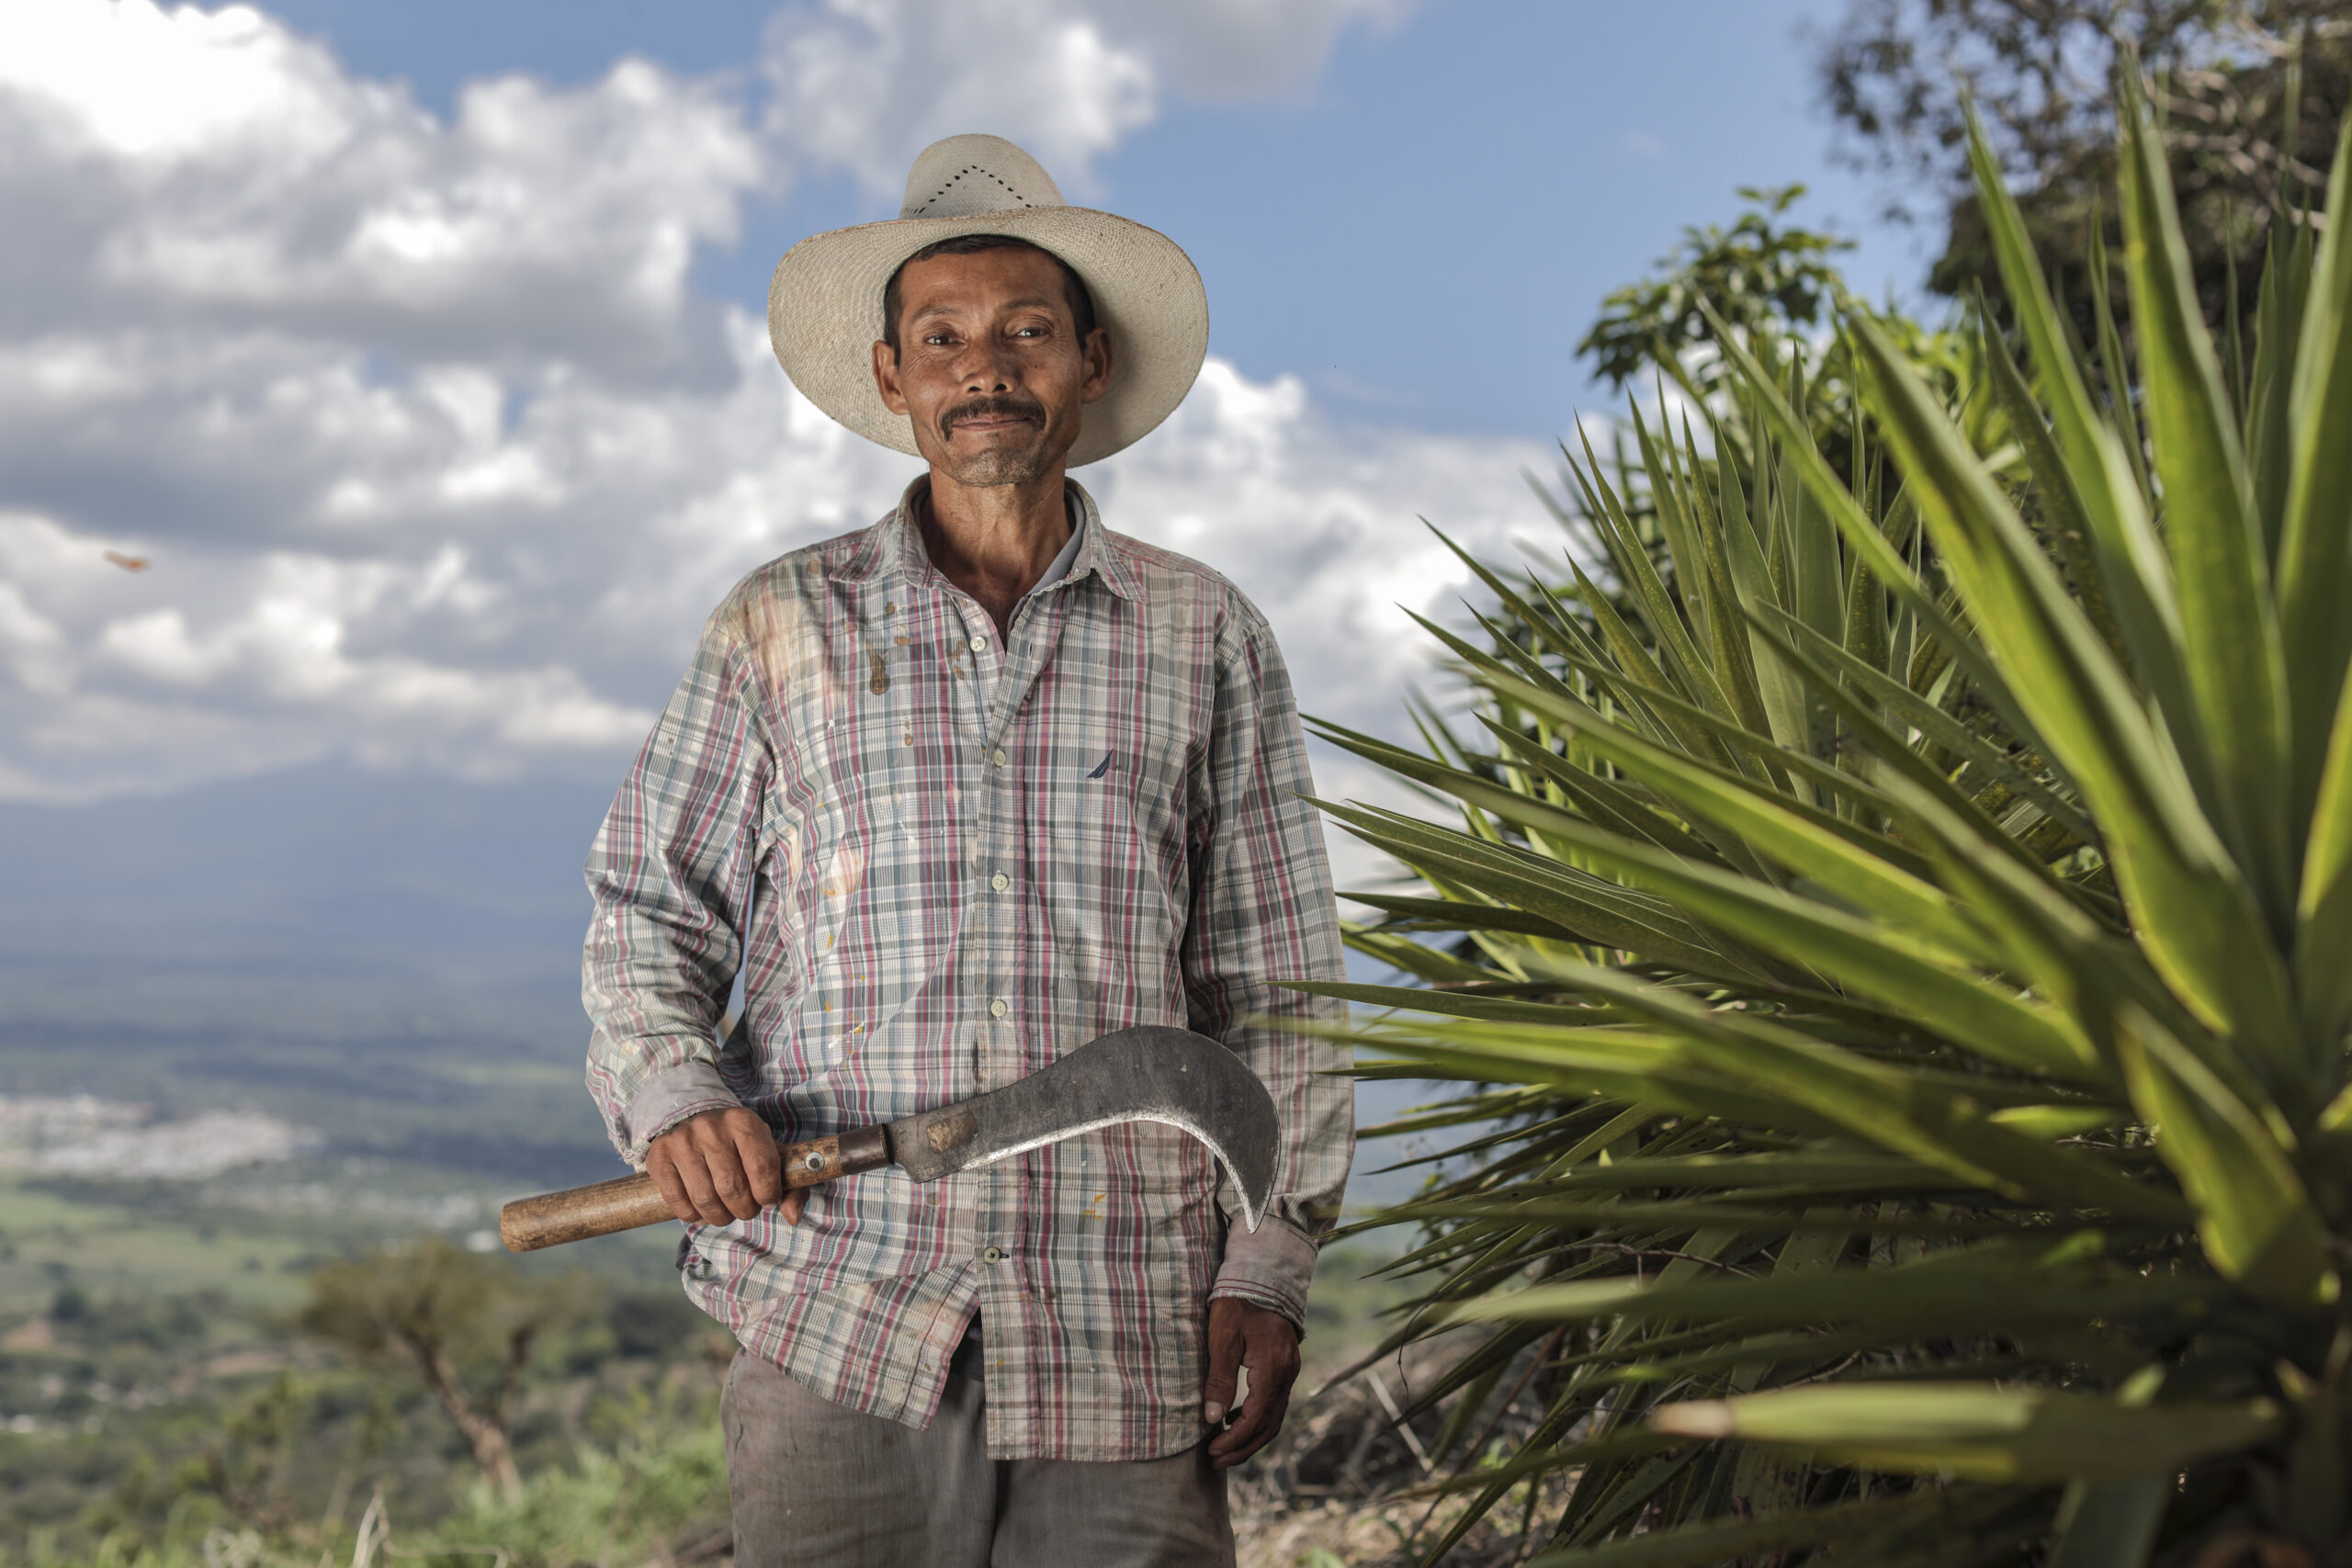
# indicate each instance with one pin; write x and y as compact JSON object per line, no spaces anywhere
{"x":825,"y":304}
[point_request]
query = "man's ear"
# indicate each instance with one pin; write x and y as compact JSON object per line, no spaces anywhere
{"x":1097,"y":365}
{"x":886,"y":377}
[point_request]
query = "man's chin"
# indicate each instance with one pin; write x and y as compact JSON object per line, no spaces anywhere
{"x":996,"y":465}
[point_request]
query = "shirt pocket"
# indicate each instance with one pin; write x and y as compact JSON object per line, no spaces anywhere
{"x":1113,"y":853}
{"x":922,"y":812}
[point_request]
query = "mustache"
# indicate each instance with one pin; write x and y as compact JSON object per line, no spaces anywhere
{"x":995,"y":405}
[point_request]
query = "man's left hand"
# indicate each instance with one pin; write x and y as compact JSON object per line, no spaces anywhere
{"x":1242,"y":1335}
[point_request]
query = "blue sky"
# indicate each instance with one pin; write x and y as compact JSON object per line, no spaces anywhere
{"x":416,"y":351}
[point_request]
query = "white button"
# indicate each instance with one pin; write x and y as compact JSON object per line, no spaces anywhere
{"x":980,"y":645}
{"x":999,"y":758}
{"x":1000,"y":882}
{"x":992,"y":1255}
{"x":998,"y":1008}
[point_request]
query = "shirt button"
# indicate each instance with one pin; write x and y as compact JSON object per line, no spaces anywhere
{"x":999,"y":758}
{"x":992,"y":1254}
{"x":1000,"y":882}
{"x":998,"y":1008}
{"x":980,"y":645}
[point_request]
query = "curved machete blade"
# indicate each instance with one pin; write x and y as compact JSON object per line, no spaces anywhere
{"x":1146,"y":1074}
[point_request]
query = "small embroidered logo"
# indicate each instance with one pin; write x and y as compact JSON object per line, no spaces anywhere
{"x":1102,"y":768}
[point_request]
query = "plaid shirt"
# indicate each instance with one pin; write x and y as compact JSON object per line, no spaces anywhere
{"x":939,"y":860}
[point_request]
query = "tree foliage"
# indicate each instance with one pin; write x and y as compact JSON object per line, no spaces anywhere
{"x":464,"y":1325}
{"x":1770,"y":284}
{"x":2249,"y":92}
{"x":1762,"y":269}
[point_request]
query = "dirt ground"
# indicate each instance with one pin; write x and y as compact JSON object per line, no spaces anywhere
{"x":1348,"y":1485}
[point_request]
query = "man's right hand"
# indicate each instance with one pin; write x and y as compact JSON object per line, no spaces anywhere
{"x":721,"y":1166}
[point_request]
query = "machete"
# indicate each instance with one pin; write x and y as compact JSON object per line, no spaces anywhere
{"x":1146,"y":1074}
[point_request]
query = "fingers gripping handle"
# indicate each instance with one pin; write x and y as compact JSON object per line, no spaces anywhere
{"x":552,"y":1218}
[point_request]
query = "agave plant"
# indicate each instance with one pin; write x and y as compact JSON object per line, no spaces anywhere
{"x":1903,"y":954}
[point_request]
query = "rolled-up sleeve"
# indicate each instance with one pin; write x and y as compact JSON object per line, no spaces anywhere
{"x":1262,"y":912}
{"x":672,"y":872}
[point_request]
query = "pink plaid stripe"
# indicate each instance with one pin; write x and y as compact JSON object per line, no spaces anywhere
{"x":933,"y":885}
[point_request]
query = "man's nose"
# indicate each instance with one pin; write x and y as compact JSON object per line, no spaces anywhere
{"x":985,"y":367}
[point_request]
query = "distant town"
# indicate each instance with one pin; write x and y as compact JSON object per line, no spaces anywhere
{"x":84,"y":1136}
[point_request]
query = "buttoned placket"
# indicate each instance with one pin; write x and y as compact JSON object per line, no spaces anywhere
{"x":1003,"y":669}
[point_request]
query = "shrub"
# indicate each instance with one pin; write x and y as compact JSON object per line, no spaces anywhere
{"x":1900,"y":953}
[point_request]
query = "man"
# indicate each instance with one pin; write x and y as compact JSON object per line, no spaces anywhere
{"x":952,"y":796}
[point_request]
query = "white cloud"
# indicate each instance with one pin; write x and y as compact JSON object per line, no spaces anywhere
{"x":152,"y":88}
{"x":197,"y":169}
{"x":486,"y":627}
{"x":867,"y":83}
{"x":1226,"y":49}
{"x":190,"y":166}
{"x":436,"y":457}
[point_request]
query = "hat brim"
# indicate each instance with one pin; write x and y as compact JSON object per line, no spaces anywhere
{"x":825,"y":314}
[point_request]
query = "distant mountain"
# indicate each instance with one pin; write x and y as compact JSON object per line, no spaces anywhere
{"x":329,"y":899}
{"x":393,"y":957}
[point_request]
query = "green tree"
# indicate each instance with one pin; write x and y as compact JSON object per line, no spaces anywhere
{"x":2250,"y":93}
{"x":1762,"y":274}
{"x":463,"y":1325}
{"x":1897,"y":975}
{"x":1771,"y":285}
{"x":248,"y":1465}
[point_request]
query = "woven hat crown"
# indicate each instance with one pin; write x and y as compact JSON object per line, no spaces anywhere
{"x":965,"y":177}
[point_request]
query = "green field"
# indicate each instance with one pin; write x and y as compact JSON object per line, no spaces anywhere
{"x":154,"y":1389}
{"x":118,"y":1250}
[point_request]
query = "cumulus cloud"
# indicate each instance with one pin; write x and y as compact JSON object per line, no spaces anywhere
{"x":866,"y":83}
{"x":462,"y":593}
{"x":192,"y":171}
{"x":1226,"y":49}
{"x":436,"y":456}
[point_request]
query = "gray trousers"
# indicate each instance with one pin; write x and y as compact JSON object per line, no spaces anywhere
{"x":817,"y":1485}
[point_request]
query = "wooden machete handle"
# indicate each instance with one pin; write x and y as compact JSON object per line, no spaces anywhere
{"x":625,"y":1203}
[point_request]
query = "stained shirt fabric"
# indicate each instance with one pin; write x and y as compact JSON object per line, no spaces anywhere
{"x":941,"y":859}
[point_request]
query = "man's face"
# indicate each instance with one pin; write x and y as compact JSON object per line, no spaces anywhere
{"x":988,"y":364}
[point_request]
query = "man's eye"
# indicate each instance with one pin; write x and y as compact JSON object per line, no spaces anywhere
{"x":938,"y":340}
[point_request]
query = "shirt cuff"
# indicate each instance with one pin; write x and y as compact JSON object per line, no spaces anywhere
{"x":1269,"y":1267}
{"x":668,"y":1098}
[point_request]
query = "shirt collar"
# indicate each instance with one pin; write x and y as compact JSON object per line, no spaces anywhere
{"x":898,"y":544}
{"x":1067,"y":557}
